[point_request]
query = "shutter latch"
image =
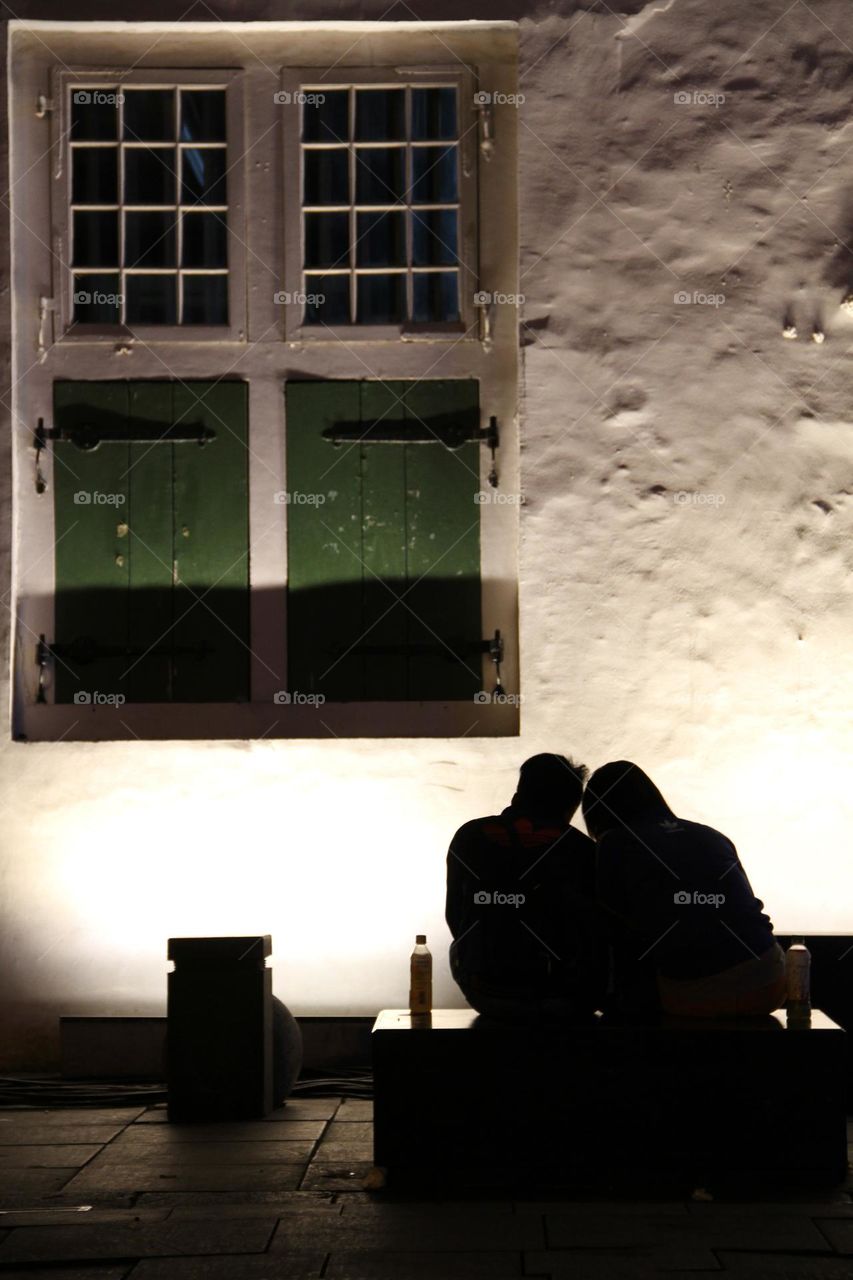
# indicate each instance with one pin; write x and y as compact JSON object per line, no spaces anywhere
{"x":43,"y":106}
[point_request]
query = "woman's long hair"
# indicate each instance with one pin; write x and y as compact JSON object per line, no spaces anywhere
{"x":620,"y":794}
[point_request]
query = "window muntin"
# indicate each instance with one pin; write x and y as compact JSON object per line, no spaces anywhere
{"x":148,"y":204}
{"x":381,"y":204}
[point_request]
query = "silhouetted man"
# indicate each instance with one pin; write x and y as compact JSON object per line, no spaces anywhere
{"x":520,"y":902}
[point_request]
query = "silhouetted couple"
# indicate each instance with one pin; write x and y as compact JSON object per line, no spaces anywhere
{"x":652,"y":913}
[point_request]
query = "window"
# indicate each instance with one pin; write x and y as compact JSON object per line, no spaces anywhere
{"x":258,"y":489}
{"x":150,"y":192}
{"x":385,"y":167}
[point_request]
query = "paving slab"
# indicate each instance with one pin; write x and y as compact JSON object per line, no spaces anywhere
{"x":36,"y":1132}
{"x":167,"y":1152}
{"x":86,"y":1215}
{"x":339,"y":1152}
{"x":622,"y":1264}
{"x":73,"y":1115}
{"x":46,"y":1157}
{"x":222,"y":1131}
{"x":220,"y":1200}
{"x":381,"y":1265}
{"x":579,"y":1228}
{"x":838,"y":1232}
{"x":68,"y":1273}
{"x":119,"y":1178}
{"x":349,"y":1132}
{"x":295,"y":1266}
{"x":24,"y":1181}
{"x":294,"y":1109}
{"x":345,"y":1176}
{"x":779,"y":1266}
{"x":357,"y":1109}
{"x":135,"y":1240}
{"x":410,"y":1228}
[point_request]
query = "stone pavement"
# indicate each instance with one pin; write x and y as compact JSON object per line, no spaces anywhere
{"x":113,"y":1193}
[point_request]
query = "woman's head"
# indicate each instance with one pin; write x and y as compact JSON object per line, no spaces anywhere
{"x":620,"y":794}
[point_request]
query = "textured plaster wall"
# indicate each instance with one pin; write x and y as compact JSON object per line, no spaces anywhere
{"x":685,"y":555}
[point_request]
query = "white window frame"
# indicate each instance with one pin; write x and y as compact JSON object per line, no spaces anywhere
{"x":65,"y":80}
{"x":298,"y":80}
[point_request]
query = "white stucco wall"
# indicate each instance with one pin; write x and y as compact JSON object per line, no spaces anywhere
{"x":685,"y":553}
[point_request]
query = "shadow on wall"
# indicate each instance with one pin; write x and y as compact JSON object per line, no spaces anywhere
{"x":349,"y":641}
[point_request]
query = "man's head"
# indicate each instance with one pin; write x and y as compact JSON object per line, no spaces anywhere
{"x":619,"y":794}
{"x":550,"y":785}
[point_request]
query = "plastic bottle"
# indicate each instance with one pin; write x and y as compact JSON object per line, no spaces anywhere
{"x":798,"y":962}
{"x":420,"y":987}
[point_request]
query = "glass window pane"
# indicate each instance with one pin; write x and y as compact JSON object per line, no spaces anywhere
{"x":151,"y":299}
{"x":326,"y":177}
{"x":204,"y":176}
{"x":380,"y":175}
{"x":381,"y":240}
{"x":96,"y":239}
{"x":433,"y":114}
{"x":380,"y":115}
{"x":149,"y":115}
{"x":96,"y":299}
{"x":149,"y":240}
{"x":326,"y":117}
{"x":202,"y":115}
{"x":381,"y":299}
{"x":434,"y":175}
{"x":94,"y":175}
{"x":434,"y":237}
{"x":149,"y":176}
{"x":205,"y":240}
{"x":326,"y":300}
{"x":94,"y":115}
{"x":205,"y":300}
{"x":435,"y":296}
{"x":326,"y":239}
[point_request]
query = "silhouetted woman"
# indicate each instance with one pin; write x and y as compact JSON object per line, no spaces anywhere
{"x":683,"y":898}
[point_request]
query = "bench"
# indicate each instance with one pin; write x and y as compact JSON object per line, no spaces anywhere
{"x":689,"y":1103}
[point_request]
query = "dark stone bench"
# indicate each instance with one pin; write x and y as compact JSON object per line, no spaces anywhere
{"x":687,"y":1103}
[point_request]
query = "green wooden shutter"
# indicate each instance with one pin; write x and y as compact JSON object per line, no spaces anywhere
{"x":152,"y":564}
{"x":397,"y":520}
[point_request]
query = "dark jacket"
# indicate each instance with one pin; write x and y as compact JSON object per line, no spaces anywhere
{"x":520,"y":905}
{"x":680,"y":889}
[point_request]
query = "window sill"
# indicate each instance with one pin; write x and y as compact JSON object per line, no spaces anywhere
{"x":159,"y":722}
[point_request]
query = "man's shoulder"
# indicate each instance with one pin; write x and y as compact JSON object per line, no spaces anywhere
{"x":480,"y":829}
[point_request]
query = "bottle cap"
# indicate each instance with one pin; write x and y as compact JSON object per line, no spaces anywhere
{"x":420,"y":939}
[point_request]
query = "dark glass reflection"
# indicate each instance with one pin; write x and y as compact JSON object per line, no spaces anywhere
{"x":149,"y":240}
{"x":94,"y":175}
{"x":205,"y":300}
{"x":202,"y":115}
{"x":433,"y":115}
{"x":380,"y":175}
{"x":434,"y":175}
{"x":151,"y":299}
{"x":95,"y":298}
{"x":326,"y":177}
{"x":327,"y":300}
{"x":205,"y":240}
{"x":380,"y":115}
{"x":381,"y":240}
{"x":204,"y":176}
{"x":326,"y":239}
{"x":381,"y":299}
{"x":435,"y":296}
{"x":326,"y":120}
{"x":149,"y":176}
{"x":94,"y":115}
{"x":149,"y":115}
{"x":95,"y":239}
{"x":434,"y":237}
